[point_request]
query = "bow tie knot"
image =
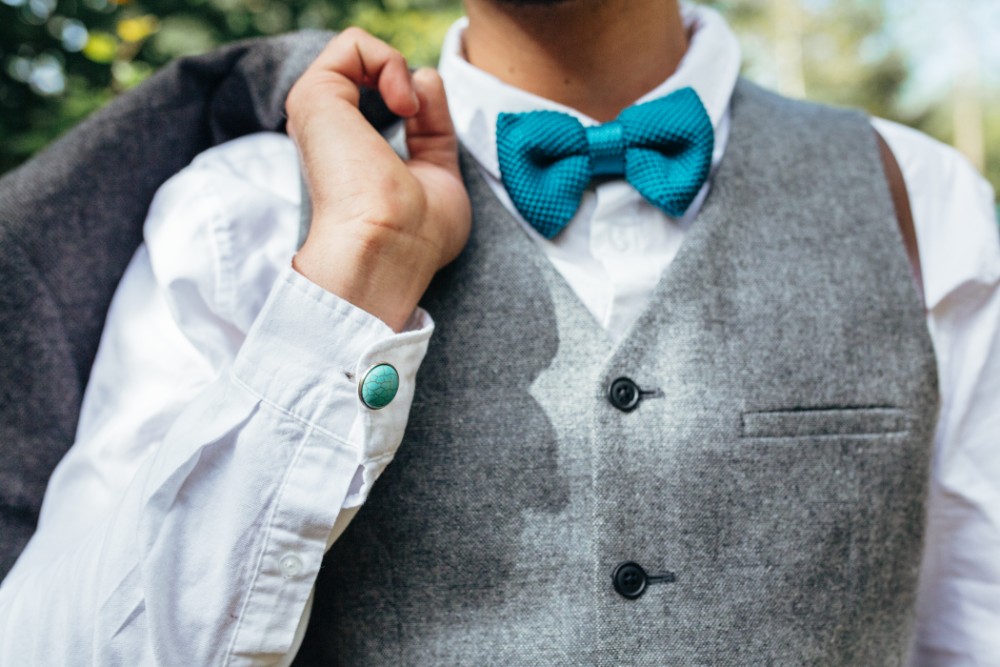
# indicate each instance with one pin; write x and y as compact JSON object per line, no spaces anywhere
{"x":606,"y":147}
{"x":547,"y":159}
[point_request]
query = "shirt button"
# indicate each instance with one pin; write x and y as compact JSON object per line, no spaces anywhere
{"x":620,"y":240}
{"x":378,"y":386}
{"x":291,"y":566}
{"x":629,"y":580}
{"x":624,"y":394}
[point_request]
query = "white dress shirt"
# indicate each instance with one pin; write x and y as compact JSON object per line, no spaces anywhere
{"x":222,"y":446}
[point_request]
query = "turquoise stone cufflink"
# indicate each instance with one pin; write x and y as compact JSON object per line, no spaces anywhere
{"x":378,"y":386}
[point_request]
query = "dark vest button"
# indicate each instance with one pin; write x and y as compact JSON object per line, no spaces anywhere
{"x":629,"y":580}
{"x":624,"y":394}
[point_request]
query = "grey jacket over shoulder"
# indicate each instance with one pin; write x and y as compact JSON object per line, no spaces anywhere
{"x":70,"y":220}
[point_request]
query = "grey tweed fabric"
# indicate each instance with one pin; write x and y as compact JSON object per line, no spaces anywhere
{"x":781,"y":475}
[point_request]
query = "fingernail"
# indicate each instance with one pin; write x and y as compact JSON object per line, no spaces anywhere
{"x":416,"y":99}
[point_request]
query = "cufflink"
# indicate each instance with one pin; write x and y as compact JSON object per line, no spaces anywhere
{"x":378,"y":386}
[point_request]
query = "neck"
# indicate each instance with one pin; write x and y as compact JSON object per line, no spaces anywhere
{"x":595,"y":56}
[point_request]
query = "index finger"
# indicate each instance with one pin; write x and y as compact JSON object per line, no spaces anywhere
{"x":364,"y":60}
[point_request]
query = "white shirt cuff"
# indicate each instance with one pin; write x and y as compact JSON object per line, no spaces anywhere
{"x":307,"y":351}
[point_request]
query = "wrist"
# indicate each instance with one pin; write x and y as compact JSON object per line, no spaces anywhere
{"x":383,"y":272}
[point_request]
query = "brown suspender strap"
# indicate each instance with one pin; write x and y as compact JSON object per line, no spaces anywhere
{"x":901,"y":202}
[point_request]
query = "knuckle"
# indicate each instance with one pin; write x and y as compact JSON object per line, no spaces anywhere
{"x":385,"y":213}
{"x":296,"y":105}
{"x":395,"y":204}
{"x":292,"y":115}
{"x":429,"y":79}
{"x":352,"y":34}
{"x":292,"y":101}
{"x":427,"y":73}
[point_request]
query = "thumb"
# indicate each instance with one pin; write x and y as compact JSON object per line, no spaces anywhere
{"x":430,"y":134}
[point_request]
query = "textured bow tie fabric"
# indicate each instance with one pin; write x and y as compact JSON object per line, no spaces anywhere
{"x":547,"y":158}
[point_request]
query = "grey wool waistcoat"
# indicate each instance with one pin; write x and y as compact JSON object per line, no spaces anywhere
{"x":778,"y":468}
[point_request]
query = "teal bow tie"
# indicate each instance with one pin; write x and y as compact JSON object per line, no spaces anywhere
{"x":663,"y":148}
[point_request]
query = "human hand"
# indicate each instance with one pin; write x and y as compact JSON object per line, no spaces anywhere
{"x":381,"y":226}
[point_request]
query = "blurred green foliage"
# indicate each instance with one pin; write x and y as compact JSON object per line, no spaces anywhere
{"x":61,"y":59}
{"x":850,"y":53}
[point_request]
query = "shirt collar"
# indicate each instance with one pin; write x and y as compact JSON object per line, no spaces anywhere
{"x":710,"y":66}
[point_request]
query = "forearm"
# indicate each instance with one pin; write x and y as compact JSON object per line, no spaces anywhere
{"x":211,"y":551}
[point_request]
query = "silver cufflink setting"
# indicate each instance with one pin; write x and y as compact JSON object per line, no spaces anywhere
{"x":378,"y":386}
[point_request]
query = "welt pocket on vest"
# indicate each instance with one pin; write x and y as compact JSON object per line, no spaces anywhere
{"x":818,"y":422}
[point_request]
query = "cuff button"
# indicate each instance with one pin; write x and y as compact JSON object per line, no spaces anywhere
{"x":291,"y":566}
{"x":378,"y":386}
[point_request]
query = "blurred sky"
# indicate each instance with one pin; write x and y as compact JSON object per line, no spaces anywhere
{"x":944,"y":39}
